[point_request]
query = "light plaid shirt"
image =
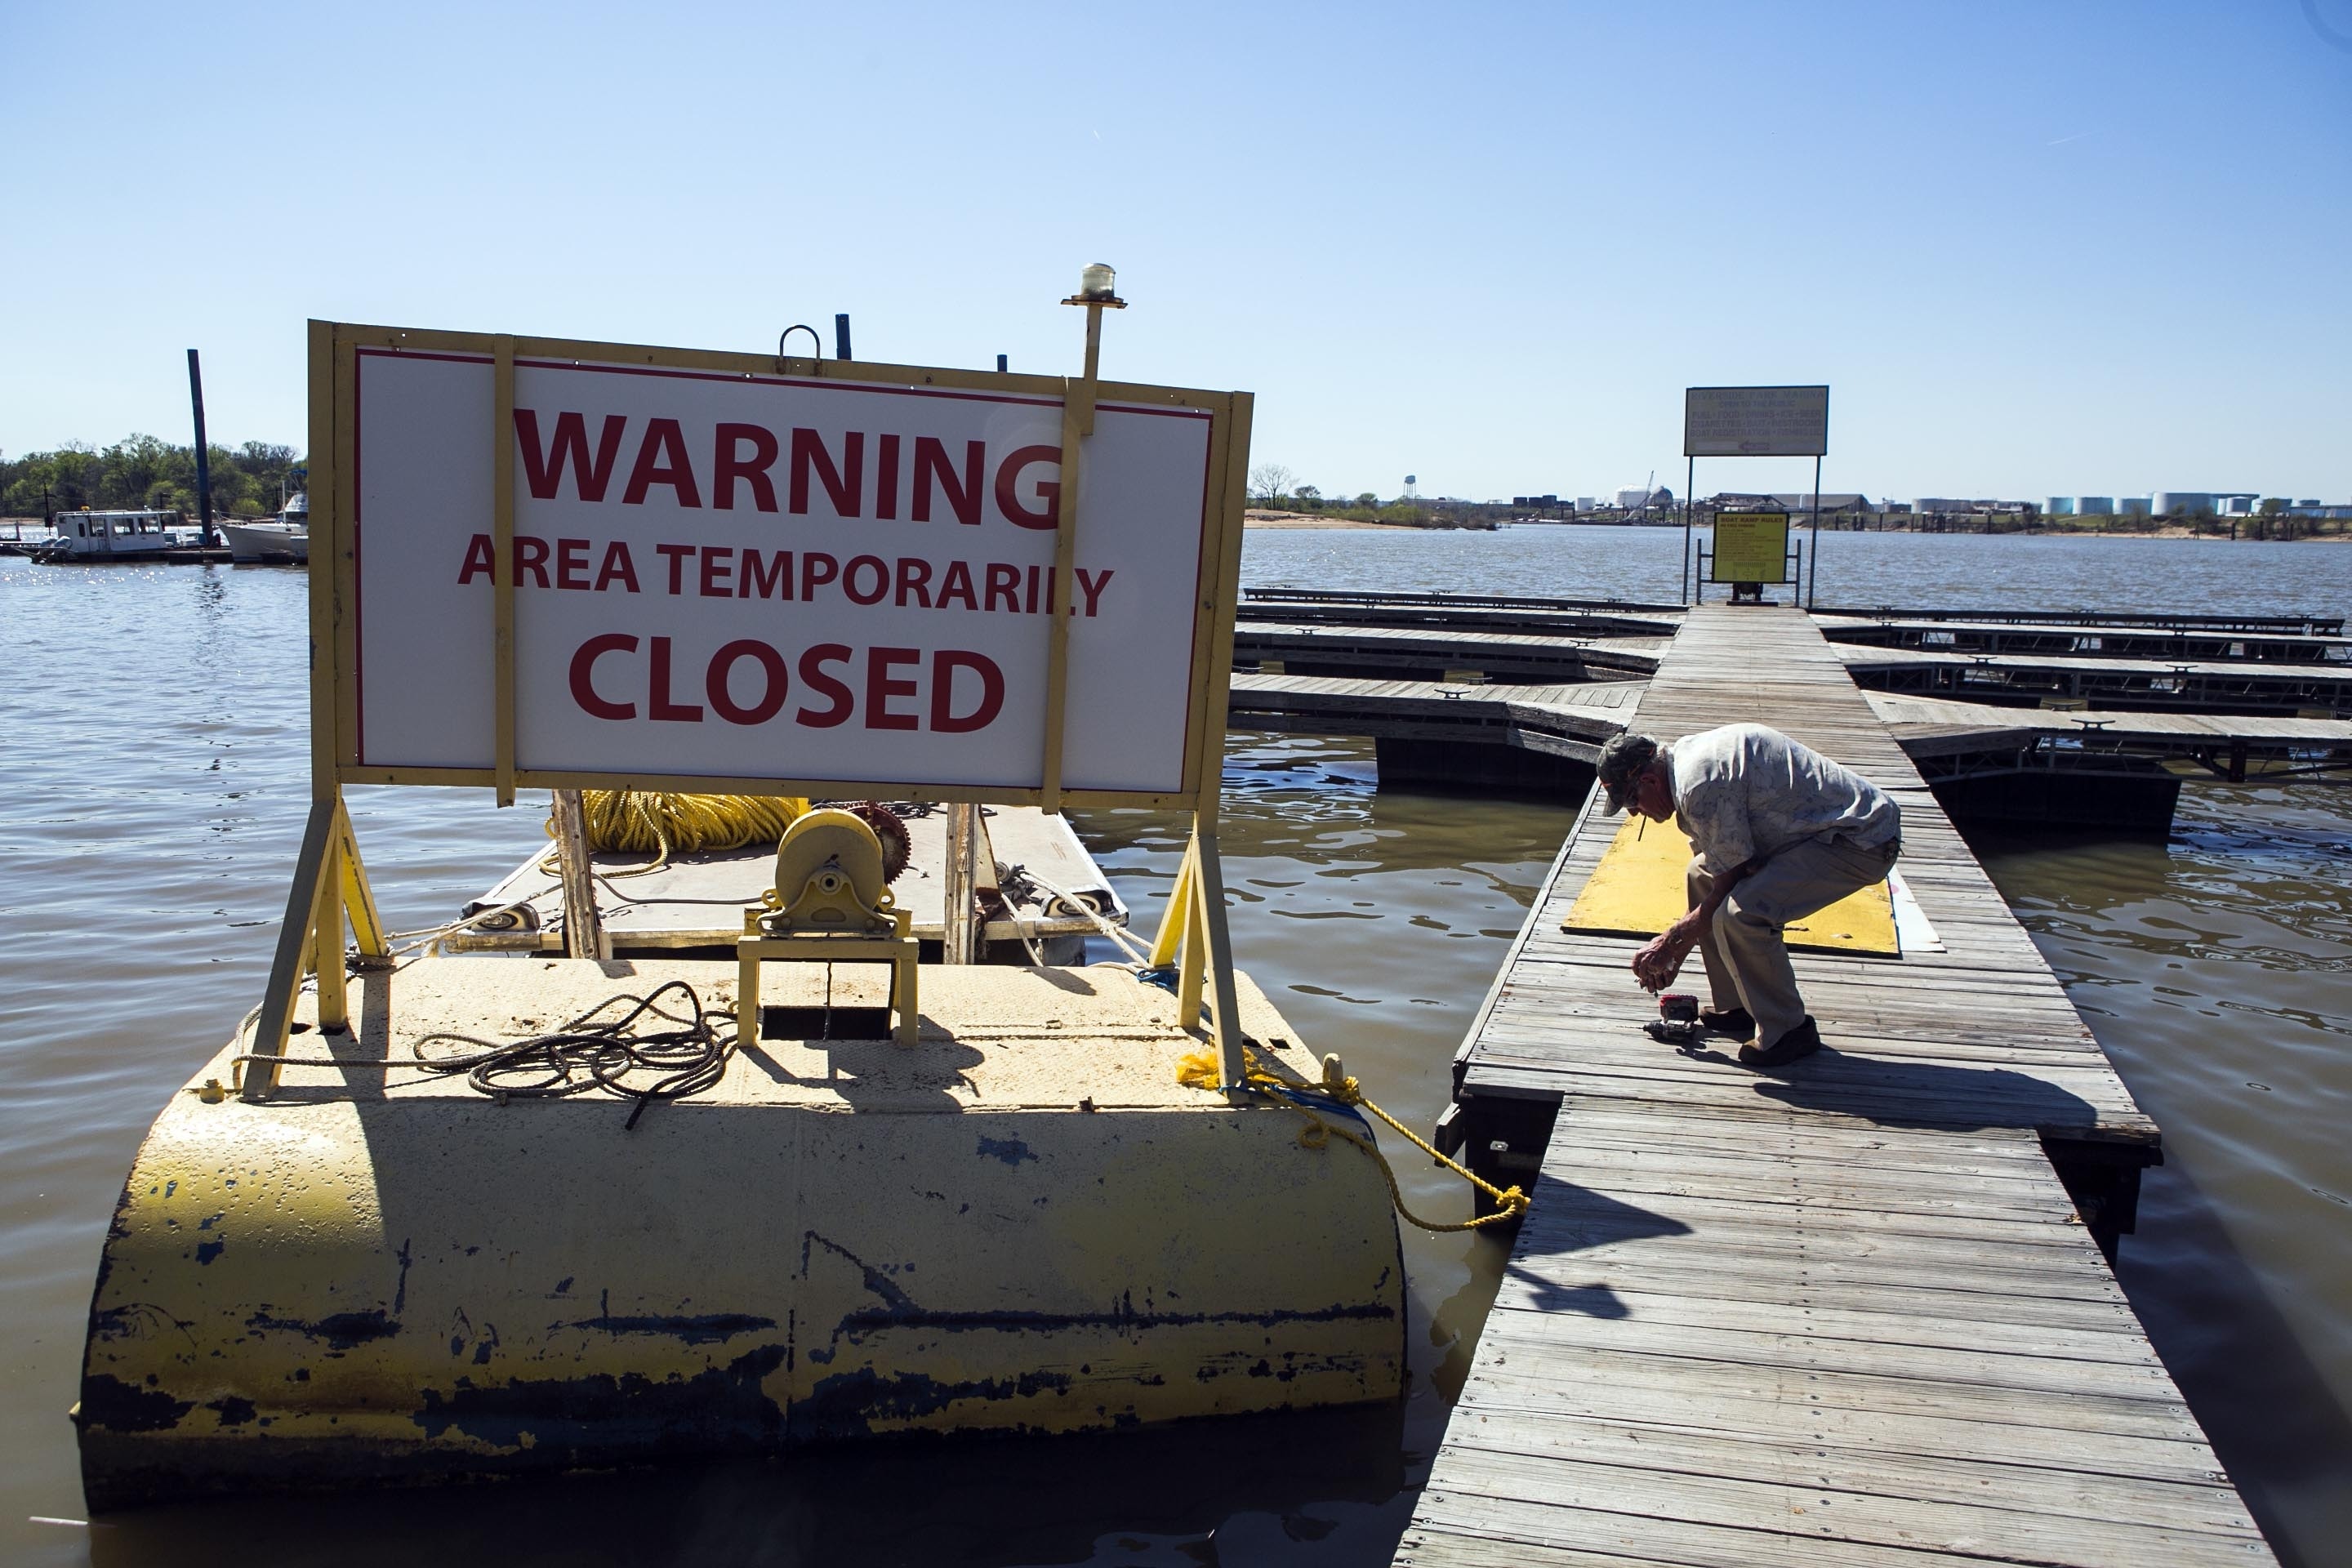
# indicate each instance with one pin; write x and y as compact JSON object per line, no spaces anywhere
{"x":1745,"y":790}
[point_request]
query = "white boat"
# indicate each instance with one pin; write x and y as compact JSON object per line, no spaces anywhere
{"x":280,"y":541}
{"x":112,"y":536}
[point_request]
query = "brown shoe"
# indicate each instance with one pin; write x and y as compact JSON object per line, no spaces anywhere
{"x":1727,"y":1021}
{"x":1801,"y":1041}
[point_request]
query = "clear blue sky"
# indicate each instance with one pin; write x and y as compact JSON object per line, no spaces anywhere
{"x":2034,"y":248}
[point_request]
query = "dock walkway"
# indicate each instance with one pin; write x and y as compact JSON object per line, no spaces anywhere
{"x":1844,"y":1314}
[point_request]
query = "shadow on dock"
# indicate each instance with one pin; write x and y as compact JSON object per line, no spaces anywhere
{"x":1893,"y":1093}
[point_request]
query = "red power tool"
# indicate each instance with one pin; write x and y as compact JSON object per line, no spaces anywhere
{"x":1678,"y":1022}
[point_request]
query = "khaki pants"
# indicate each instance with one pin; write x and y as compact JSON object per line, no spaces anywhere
{"x":1746,"y":963}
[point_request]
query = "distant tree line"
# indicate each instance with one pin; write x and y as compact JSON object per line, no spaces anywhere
{"x":1275,"y":488}
{"x":144,"y":471}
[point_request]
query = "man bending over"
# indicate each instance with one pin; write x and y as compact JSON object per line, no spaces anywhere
{"x":1780,"y":831}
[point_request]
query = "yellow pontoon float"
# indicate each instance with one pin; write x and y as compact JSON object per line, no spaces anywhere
{"x":467,"y":1213}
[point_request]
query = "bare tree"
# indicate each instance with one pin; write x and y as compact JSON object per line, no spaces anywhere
{"x":1271,"y":481}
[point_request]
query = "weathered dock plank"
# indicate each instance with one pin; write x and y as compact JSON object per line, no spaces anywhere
{"x":1847,"y":1313}
{"x":2132,"y":683}
{"x":2115,"y":638}
{"x":1570,"y":720}
{"x":2113,"y":727}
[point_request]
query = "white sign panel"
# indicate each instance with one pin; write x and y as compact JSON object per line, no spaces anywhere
{"x":1756,"y":421}
{"x":723,"y":575}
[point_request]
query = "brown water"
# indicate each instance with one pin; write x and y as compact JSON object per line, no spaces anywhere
{"x":152,"y":757}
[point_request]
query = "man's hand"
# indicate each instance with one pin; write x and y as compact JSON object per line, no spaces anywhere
{"x":1656,"y":964}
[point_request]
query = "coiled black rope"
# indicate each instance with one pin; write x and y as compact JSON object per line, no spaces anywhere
{"x":585,"y":1054}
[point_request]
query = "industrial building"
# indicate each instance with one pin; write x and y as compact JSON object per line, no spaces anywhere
{"x":1967,"y":506}
{"x":1839,"y":507}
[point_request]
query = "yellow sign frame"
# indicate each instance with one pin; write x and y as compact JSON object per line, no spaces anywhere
{"x":334,"y":656}
{"x":1756,"y":543}
{"x":331,"y":888}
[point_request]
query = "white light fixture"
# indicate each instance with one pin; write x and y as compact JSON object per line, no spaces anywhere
{"x":1097,"y":289}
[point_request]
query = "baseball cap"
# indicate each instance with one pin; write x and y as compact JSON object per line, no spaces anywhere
{"x":1622,"y":758}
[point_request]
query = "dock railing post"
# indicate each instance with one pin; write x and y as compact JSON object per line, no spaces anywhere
{"x":961,"y":924}
{"x":502,"y":572}
{"x":1209,"y":879}
{"x":1690,"y":483}
{"x":1814,"y":581}
{"x":583,"y":927}
{"x":1096,"y":294}
{"x":204,"y":455}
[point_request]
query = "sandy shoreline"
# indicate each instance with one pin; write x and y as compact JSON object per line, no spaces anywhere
{"x":1256,"y":517}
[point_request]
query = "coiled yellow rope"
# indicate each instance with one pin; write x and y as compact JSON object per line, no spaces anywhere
{"x":662,"y":821}
{"x":1199,"y":1069}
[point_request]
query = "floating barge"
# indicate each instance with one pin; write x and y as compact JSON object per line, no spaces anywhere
{"x":1024,"y":1223}
{"x":498,"y":1212}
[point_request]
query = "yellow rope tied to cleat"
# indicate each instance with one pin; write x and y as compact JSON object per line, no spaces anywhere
{"x":1197,"y":1069}
{"x":662,"y":821}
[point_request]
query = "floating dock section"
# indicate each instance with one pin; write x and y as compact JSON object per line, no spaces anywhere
{"x":1851,"y":1313}
{"x":2047,"y":719}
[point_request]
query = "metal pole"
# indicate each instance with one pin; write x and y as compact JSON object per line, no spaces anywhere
{"x":961,"y":925}
{"x":1690,"y":482}
{"x":584,"y":928}
{"x":204,"y":455}
{"x":841,"y":337}
{"x":1000,"y":364}
{"x":1814,"y":582}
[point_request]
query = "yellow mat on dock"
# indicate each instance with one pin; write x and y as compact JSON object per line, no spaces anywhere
{"x":1637,"y":890}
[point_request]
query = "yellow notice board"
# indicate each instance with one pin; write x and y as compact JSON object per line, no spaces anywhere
{"x":1751,"y":547}
{"x":1637,"y":890}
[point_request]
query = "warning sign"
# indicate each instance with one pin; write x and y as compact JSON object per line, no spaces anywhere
{"x":731,"y":574}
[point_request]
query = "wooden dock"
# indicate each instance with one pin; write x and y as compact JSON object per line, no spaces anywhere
{"x":1509,"y":656}
{"x":1570,"y":720}
{"x":2239,"y":686}
{"x":1927,"y":726}
{"x":1517,"y":689}
{"x":2107,"y":640}
{"x":1846,"y":1313}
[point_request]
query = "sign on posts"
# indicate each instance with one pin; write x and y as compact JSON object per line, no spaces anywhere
{"x":1756,"y":421}
{"x":1749,"y":547}
{"x":727,"y":577}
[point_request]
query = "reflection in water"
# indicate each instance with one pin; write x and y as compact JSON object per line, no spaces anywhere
{"x":152,"y":767}
{"x":1233,"y":1493}
{"x":2212,"y":969}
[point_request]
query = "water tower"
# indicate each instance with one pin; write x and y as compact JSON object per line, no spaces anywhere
{"x":1413,"y":487}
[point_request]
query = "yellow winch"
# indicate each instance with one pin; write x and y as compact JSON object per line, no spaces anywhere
{"x":832,"y":902}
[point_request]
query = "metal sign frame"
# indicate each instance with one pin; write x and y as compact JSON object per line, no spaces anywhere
{"x":334,"y":348}
{"x":1816,"y":450}
{"x":1714,"y":556}
{"x":331,"y":888}
{"x":1756,"y":447}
